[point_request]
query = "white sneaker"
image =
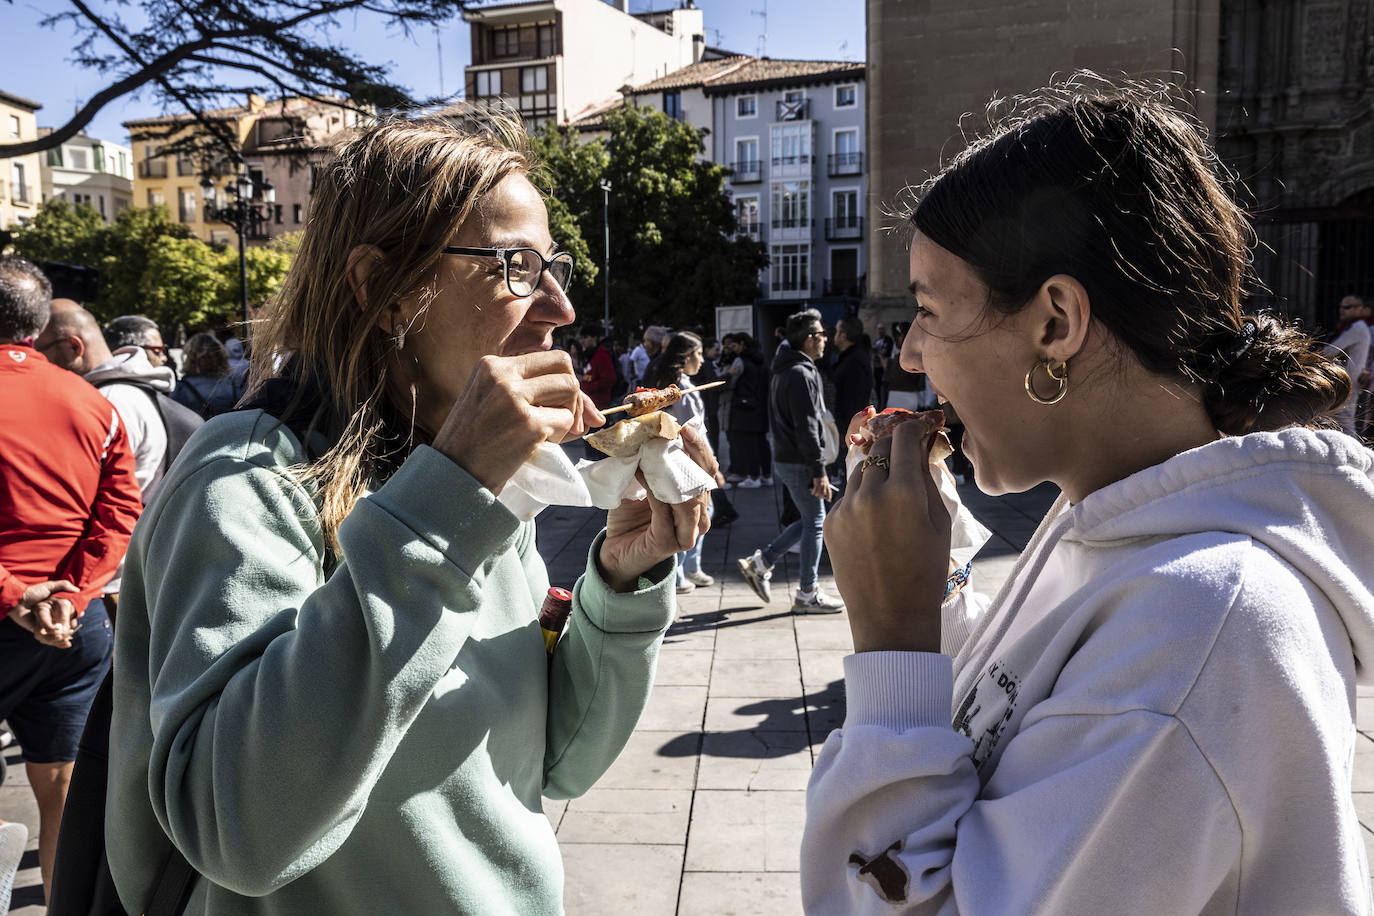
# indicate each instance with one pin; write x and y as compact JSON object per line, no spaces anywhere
{"x":767,"y":481}
{"x":700,"y":579}
{"x":758,"y":574}
{"x":686,"y":587}
{"x":750,"y":483}
{"x":13,"y":838}
{"x":817,"y":603}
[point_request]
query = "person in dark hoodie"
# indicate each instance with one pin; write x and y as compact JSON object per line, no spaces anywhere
{"x":796,"y":407}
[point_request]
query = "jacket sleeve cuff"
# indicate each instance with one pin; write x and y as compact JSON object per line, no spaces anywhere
{"x":898,"y":690}
{"x":446,"y":506}
{"x":11,"y":592}
{"x":646,"y":609}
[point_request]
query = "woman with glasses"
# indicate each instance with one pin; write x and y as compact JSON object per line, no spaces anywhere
{"x":333,"y":693}
{"x":1156,"y":713}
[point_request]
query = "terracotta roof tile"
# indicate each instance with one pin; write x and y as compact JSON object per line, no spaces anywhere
{"x":734,"y":73}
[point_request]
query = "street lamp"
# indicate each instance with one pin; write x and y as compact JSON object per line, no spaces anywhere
{"x":606,"y":227}
{"x":242,"y":213}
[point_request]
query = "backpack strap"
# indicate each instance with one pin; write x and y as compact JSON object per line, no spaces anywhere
{"x":152,"y":393}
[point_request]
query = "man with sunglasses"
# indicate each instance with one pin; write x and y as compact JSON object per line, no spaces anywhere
{"x":141,"y":332}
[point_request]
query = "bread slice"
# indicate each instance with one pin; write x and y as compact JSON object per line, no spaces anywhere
{"x":624,"y":439}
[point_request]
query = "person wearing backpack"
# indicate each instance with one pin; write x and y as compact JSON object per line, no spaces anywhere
{"x":208,"y":385}
{"x":156,"y":425}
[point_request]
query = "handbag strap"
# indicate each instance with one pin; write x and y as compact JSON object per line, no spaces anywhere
{"x":175,"y":882}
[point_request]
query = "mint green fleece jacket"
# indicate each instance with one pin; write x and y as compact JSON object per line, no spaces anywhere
{"x":369,"y":739}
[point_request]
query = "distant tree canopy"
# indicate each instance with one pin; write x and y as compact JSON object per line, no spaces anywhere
{"x":150,"y":265}
{"x":674,"y":251}
{"x":196,"y":55}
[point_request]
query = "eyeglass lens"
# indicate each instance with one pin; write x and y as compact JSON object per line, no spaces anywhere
{"x":526,"y":266}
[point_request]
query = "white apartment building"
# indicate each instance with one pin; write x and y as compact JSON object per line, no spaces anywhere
{"x":555,"y":59}
{"x":87,"y":170}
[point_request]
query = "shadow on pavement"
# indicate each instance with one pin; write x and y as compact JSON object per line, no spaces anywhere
{"x":715,"y":620}
{"x":821,"y":713}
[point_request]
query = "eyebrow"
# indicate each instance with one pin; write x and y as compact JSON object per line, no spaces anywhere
{"x":916,"y":287}
{"x":511,"y":241}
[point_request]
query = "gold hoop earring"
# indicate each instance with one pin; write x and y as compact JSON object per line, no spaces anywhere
{"x":1062,"y":379}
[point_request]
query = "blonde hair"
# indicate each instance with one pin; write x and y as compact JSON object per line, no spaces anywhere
{"x":405,"y":187}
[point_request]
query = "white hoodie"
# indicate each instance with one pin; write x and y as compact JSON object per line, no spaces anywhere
{"x":1155,"y":715}
{"x":147,"y":435}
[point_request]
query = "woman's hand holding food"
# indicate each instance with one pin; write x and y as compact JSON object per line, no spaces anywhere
{"x":643,"y":533}
{"x":510,"y":405}
{"x":893,"y":595}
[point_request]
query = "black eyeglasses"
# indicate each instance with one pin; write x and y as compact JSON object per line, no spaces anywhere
{"x":525,"y":267}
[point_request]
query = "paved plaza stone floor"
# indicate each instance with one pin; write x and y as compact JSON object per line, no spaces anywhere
{"x":702,"y":813}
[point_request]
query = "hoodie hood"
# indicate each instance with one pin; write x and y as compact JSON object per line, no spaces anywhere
{"x":1306,"y":495}
{"x":786,"y":357}
{"x":130,"y":364}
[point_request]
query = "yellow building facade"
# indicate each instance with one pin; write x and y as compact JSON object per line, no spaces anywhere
{"x":173,"y":180}
{"x":20,"y":180}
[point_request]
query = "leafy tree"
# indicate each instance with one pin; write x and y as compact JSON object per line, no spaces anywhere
{"x":153,"y":266}
{"x":674,"y":254}
{"x":196,"y":55}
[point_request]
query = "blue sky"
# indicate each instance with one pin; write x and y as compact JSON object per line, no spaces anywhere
{"x":35,"y":61}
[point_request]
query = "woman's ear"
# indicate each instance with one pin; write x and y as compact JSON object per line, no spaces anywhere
{"x":1060,"y":317}
{"x":362,"y":260}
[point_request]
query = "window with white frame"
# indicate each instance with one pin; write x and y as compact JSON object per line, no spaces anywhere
{"x":746,"y":106}
{"x":77,"y":158}
{"x":747,"y":155}
{"x":793,"y":95}
{"x":747,"y":213}
{"x":846,"y":96}
{"x":844,"y":208}
{"x":534,"y":79}
{"x":14,"y":125}
{"x":488,"y":83}
{"x":791,"y":204}
{"x":791,"y":268}
{"x":791,"y":143}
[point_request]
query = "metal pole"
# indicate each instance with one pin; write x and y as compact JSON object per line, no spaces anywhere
{"x":242,"y":226}
{"x":606,"y":226}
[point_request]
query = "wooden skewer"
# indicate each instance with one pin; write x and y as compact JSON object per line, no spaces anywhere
{"x":619,"y":408}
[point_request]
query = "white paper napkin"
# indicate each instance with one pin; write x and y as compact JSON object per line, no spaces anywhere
{"x":967,"y":534}
{"x":548,"y":478}
{"x":673,"y":477}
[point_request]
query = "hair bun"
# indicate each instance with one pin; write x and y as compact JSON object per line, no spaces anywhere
{"x":1269,"y":375}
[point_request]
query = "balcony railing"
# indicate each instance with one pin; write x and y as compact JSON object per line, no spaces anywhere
{"x":20,"y":193}
{"x":845,"y":164}
{"x":792,"y":222}
{"x":185,"y":167}
{"x":781,"y":161}
{"x":789,"y":286}
{"x":799,"y":110}
{"x":752,"y":229}
{"x":844,"y":286}
{"x":152,"y":168}
{"x":746,"y":171}
{"x":844,"y":227}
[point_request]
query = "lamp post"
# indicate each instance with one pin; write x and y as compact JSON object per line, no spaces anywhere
{"x":241,"y":213}
{"x":606,"y":227}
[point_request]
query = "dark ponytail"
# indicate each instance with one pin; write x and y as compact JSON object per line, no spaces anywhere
{"x":1116,"y":188}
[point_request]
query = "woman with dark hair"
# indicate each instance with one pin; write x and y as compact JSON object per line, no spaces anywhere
{"x":680,"y":359}
{"x":1156,"y":712}
{"x":748,"y":431}
{"x":207,"y":386}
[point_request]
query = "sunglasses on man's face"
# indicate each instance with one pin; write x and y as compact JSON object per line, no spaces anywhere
{"x":156,"y":349}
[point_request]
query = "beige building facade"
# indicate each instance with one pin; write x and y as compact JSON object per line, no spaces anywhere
{"x":21,"y":188}
{"x":280,"y":141}
{"x":931,"y":62}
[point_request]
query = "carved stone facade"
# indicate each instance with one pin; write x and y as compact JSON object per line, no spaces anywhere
{"x":1295,"y":120}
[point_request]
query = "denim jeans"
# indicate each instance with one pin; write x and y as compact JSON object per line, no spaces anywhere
{"x":689,"y":560}
{"x":807,"y":529}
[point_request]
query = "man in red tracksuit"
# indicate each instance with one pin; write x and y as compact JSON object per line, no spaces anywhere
{"x":69,"y":500}
{"x":598,"y":379}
